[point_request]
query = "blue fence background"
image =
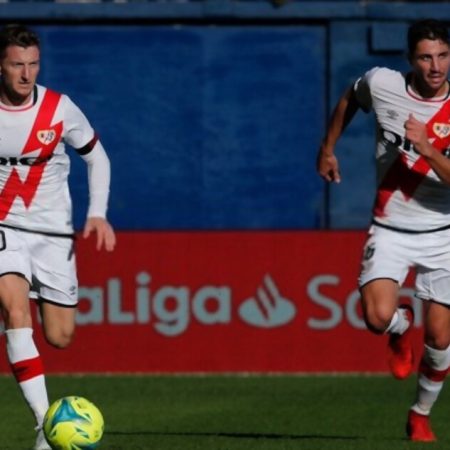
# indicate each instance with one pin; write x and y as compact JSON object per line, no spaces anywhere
{"x":212,"y":112}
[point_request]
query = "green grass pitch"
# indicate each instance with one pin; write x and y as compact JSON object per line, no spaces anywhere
{"x":236,"y":412}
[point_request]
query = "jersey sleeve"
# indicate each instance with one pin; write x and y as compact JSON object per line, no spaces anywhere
{"x":80,"y":135}
{"x":99,"y":175}
{"x":362,"y":89}
{"x":78,"y":132}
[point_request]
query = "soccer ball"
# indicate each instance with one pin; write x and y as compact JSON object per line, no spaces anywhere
{"x":73,"y":423}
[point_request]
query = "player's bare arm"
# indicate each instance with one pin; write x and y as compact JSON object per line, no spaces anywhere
{"x":327,"y":163}
{"x":415,"y":131}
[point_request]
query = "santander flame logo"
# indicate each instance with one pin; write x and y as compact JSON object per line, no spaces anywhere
{"x":268,"y":308}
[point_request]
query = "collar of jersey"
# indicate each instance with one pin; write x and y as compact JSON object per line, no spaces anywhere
{"x":20,"y":108}
{"x":416,"y":96}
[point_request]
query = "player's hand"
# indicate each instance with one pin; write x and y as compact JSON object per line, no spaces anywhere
{"x":416,"y":133}
{"x":328,"y":167}
{"x":105,"y":234}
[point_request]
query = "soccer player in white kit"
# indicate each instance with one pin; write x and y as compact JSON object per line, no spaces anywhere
{"x":411,"y":215}
{"x":36,"y":235}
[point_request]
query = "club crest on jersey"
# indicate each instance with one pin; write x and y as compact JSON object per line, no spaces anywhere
{"x":441,"y":130}
{"x":46,"y":137}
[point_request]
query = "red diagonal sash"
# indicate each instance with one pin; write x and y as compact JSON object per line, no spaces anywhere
{"x":407,"y":179}
{"x":43,"y":136}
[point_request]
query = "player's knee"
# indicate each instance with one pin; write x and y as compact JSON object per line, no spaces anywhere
{"x":60,"y":338}
{"x":377,"y":320}
{"x":17,"y":317}
{"x":440,"y":342}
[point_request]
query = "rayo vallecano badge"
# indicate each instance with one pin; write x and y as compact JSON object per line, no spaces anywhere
{"x":46,"y":137}
{"x":441,"y":130}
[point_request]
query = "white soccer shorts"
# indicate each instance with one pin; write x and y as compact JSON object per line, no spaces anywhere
{"x":390,"y":254}
{"x":47,"y":262}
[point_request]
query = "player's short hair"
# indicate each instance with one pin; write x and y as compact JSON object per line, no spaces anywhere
{"x":432,"y":29}
{"x":17,"y":34}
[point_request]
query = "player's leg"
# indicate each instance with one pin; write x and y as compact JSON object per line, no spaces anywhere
{"x":55,"y":281}
{"x":379,"y":303}
{"x":432,"y":370}
{"x":52,"y":264}
{"x":385,"y":265}
{"x":23,"y":356}
{"x":56,"y":287}
{"x":58,"y":323}
{"x":383,"y":315}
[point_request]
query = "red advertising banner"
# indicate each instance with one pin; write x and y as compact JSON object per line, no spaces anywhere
{"x":222,"y":302}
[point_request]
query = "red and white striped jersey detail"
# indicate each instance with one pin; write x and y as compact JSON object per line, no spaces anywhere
{"x":34,"y":165}
{"x":409,"y":194}
{"x":27,"y":189}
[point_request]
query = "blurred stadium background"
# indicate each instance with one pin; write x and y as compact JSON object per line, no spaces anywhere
{"x":233,"y":256}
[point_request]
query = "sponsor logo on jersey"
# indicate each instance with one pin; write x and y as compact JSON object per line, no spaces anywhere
{"x":389,"y":138}
{"x":25,"y":160}
{"x":403,"y":176}
{"x":441,"y":130}
{"x":46,"y":137}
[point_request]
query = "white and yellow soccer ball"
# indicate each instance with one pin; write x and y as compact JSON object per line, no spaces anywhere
{"x":73,"y":423}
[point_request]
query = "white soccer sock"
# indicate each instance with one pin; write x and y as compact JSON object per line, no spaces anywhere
{"x":26,"y":366}
{"x":432,"y":372}
{"x":399,"y":322}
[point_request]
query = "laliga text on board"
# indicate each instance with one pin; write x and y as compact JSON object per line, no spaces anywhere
{"x":171,"y":308}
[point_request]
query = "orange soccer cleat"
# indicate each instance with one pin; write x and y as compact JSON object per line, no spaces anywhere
{"x":418,"y":427}
{"x":400,"y":349}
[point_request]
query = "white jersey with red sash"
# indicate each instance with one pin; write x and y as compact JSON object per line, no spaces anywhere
{"x":410,"y":196}
{"x":34,"y":166}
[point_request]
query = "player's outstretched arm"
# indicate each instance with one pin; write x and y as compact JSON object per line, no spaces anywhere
{"x":106,"y":238}
{"x":327,"y":163}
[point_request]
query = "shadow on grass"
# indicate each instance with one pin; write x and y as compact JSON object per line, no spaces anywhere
{"x":235,"y":435}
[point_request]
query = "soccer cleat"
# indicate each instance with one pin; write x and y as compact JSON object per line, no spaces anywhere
{"x":41,"y":442}
{"x":418,"y":428}
{"x":400,"y":349}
